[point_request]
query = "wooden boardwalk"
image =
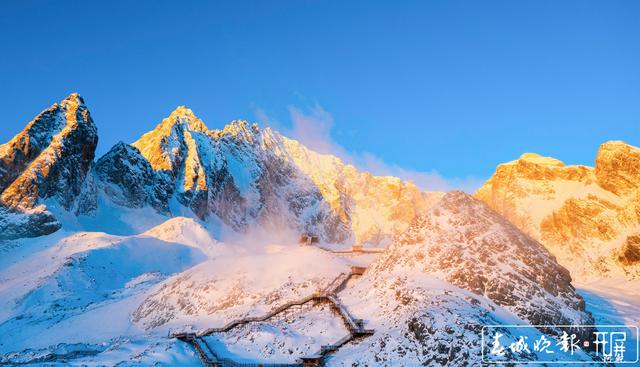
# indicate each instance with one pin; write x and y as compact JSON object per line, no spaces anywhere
{"x":328,"y":295}
{"x":355,"y":250}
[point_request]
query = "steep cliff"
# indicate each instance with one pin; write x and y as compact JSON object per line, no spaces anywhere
{"x":44,"y":166}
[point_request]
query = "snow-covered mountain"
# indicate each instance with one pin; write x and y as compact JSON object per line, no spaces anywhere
{"x":464,"y":242}
{"x":589,"y":218}
{"x":189,"y":229}
{"x":245,"y":175}
{"x":93,"y":298}
{"x":240,"y":177}
{"x":458,"y":267}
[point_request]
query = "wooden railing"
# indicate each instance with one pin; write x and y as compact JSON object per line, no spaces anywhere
{"x":265,"y":317}
{"x":365,"y":250}
{"x":210,"y":359}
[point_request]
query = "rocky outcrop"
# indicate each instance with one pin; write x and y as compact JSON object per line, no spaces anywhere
{"x":129,"y":180}
{"x":581,"y":214}
{"x":47,"y":162}
{"x":629,"y":253}
{"x":618,"y":168}
{"x":530,"y":176}
{"x":18,"y":224}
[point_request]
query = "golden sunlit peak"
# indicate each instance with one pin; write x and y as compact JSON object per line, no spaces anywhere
{"x":241,"y":129}
{"x":184,"y":115}
{"x":73,"y":98}
{"x":183,"y":111}
{"x":538,"y":159}
{"x":617,"y":144}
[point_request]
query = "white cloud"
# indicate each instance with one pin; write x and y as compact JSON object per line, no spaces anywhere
{"x":312,"y":127}
{"x":429,"y":180}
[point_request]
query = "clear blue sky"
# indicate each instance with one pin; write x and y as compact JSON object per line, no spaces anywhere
{"x":455,"y":87}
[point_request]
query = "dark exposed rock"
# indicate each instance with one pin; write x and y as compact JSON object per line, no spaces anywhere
{"x":630,"y":251}
{"x":128,"y":178}
{"x":48,"y":161}
{"x":15,"y":224}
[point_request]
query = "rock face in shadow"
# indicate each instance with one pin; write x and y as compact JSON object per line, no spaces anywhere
{"x":129,"y":180}
{"x":465,"y":243}
{"x":47,"y":162}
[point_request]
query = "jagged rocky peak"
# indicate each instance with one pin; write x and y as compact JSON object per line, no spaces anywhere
{"x":166,"y":146}
{"x":245,"y":174}
{"x":183,"y":116}
{"x":48,"y":160}
{"x":23,"y":148}
{"x":464,"y":242}
{"x":244,"y":131}
{"x":618,"y":167}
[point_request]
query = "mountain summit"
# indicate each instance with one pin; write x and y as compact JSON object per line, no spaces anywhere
{"x":46,"y":163}
{"x":166,"y":146}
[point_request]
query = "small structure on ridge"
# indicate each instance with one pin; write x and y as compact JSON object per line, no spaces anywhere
{"x":308,"y":239}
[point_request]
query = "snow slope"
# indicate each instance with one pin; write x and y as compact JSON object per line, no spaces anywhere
{"x":80,"y":288}
{"x":100,"y":299}
{"x":614,"y":302}
{"x":92,"y":297}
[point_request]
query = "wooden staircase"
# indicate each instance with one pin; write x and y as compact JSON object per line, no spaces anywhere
{"x":328,"y":295}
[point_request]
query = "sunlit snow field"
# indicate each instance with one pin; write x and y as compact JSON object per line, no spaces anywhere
{"x":92,"y":298}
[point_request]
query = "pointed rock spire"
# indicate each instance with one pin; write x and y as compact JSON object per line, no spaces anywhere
{"x":165,"y":146}
{"x":49,"y":159}
{"x":185,"y":117}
